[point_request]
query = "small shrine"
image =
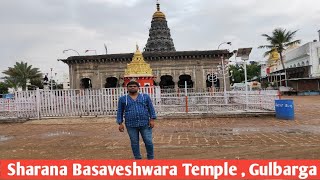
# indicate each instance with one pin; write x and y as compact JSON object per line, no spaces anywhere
{"x":138,"y":70}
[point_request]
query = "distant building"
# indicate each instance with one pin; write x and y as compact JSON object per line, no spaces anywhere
{"x":66,"y":82}
{"x":264,"y":67}
{"x":302,"y":65}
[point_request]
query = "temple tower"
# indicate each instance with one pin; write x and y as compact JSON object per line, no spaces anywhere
{"x":159,"y":34}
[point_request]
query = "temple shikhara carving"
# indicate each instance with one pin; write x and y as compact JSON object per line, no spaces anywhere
{"x":159,"y":63}
{"x":159,"y":35}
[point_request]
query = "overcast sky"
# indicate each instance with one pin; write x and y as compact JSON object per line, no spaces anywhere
{"x":37,"y":31}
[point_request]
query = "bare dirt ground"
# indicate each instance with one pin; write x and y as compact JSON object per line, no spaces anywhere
{"x":207,"y":138}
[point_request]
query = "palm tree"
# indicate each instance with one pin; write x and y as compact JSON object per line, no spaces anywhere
{"x":280,"y":39}
{"x":18,"y":75}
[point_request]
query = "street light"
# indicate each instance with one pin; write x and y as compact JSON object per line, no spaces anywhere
{"x":224,"y":43}
{"x":224,"y":75}
{"x":90,"y":50}
{"x":70,"y":71}
{"x":51,"y":79}
{"x":244,"y":54}
{"x":224,"y":71}
{"x":46,"y":81}
{"x":64,"y":51}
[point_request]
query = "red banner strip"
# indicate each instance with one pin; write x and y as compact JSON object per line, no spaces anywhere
{"x":159,"y":169}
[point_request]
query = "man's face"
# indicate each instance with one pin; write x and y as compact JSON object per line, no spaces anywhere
{"x":133,"y":88}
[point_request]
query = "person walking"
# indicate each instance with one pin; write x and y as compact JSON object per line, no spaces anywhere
{"x":139,"y":114}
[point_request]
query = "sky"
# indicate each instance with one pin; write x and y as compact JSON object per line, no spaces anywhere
{"x":38,"y":31}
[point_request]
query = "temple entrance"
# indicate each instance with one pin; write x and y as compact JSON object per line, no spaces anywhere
{"x":166,"y":82}
{"x":111,"y":82}
{"x":182,"y":79}
{"x":210,"y":78}
{"x":85,"y":83}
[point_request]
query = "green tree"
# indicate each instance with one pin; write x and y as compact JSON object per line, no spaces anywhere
{"x":18,"y":74}
{"x":237,"y":74}
{"x":36,"y":83}
{"x":253,"y":70}
{"x":280,"y":39}
{"x":3,"y":88}
{"x":11,"y":82}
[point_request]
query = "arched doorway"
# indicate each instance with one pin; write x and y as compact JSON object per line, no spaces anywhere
{"x":111,"y":82}
{"x":182,"y":79}
{"x":216,"y":81}
{"x":86,"y":83}
{"x":166,"y":82}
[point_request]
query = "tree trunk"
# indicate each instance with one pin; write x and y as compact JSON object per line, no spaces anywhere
{"x":284,"y":68}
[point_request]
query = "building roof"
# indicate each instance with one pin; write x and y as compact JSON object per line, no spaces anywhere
{"x":149,"y":56}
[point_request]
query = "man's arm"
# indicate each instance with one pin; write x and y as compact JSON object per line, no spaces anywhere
{"x":151,"y":109}
{"x":120,"y":111}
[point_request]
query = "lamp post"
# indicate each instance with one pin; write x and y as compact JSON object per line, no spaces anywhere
{"x":224,"y":76}
{"x":90,"y":50}
{"x":244,"y":54}
{"x":224,"y":43}
{"x":64,"y":51}
{"x":70,"y":71}
{"x":51,"y":77}
{"x":224,"y":71}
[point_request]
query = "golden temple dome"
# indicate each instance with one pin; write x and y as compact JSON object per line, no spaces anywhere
{"x":274,"y":57}
{"x":158,"y":14}
{"x":138,"y":67}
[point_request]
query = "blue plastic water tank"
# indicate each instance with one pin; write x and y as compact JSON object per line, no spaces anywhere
{"x":284,"y":109}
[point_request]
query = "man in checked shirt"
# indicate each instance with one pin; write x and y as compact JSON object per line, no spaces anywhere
{"x":139,"y":115}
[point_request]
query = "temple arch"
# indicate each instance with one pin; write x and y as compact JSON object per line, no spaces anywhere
{"x":111,"y":82}
{"x":166,"y":82}
{"x":86,"y":83}
{"x":182,"y":79}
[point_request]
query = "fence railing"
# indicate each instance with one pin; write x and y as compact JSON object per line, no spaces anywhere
{"x":46,"y":103}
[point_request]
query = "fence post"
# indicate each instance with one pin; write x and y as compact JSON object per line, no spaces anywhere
{"x":279,"y":94}
{"x":260,"y":99}
{"x":38,"y":101}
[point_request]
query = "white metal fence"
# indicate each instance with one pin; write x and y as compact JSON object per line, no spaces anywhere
{"x":46,"y":103}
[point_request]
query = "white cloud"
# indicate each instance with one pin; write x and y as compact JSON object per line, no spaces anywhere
{"x":116,"y":2}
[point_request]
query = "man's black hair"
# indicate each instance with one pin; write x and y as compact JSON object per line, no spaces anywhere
{"x":133,"y":83}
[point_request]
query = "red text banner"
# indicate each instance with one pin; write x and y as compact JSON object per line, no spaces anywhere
{"x":159,"y":169}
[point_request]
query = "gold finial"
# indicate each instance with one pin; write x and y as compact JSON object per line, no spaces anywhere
{"x":158,"y":5}
{"x":137,"y":46}
{"x":158,"y":14}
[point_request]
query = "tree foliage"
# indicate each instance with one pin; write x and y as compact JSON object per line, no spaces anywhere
{"x":253,"y":70}
{"x":3,"y":88}
{"x":18,"y":75}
